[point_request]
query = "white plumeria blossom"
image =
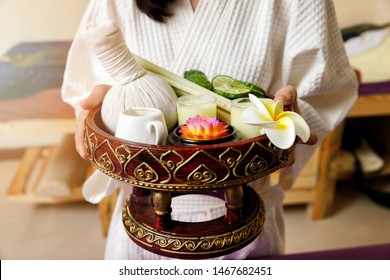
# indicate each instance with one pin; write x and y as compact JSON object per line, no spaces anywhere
{"x":281,"y":127}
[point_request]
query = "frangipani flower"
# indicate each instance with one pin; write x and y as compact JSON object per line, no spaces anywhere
{"x":281,"y":127}
{"x":203,"y":128}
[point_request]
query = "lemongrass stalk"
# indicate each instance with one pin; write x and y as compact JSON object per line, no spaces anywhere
{"x":181,"y":85}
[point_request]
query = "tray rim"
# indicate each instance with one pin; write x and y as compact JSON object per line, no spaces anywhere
{"x":93,"y":129}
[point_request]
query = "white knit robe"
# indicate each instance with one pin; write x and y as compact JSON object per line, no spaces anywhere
{"x":267,"y":42}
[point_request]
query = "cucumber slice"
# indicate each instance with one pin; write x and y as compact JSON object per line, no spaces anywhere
{"x":222,"y":85}
{"x":256,"y":90}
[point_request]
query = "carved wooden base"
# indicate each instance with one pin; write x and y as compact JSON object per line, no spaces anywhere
{"x":159,"y":172}
{"x":194,"y":240}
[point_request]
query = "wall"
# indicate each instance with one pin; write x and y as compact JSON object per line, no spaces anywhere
{"x":38,"y":20}
{"x":42,"y":20}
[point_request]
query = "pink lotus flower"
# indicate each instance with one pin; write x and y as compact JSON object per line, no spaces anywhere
{"x":203,"y":128}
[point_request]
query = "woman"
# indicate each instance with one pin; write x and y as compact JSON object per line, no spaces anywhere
{"x":291,"y":48}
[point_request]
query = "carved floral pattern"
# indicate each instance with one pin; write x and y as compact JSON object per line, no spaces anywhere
{"x":184,"y":168}
{"x":190,"y":245}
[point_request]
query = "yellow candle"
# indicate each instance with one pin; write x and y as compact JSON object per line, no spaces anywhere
{"x":191,"y":105}
{"x":244,"y":130}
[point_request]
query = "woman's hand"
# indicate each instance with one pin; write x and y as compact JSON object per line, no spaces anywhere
{"x":288,"y":94}
{"x":93,"y":101}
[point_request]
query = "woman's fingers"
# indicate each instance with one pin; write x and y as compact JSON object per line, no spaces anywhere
{"x":79,"y":134}
{"x":95,"y":99}
{"x":288,"y":94}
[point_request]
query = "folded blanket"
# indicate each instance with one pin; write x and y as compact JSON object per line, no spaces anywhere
{"x":32,"y":67}
{"x":374,"y":64}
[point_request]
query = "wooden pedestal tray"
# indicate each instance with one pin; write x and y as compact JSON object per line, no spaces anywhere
{"x":160,"y":172}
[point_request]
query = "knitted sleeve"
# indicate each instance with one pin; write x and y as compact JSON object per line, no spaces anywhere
{"x":83,"y":71}
{"x":314,"y":61}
